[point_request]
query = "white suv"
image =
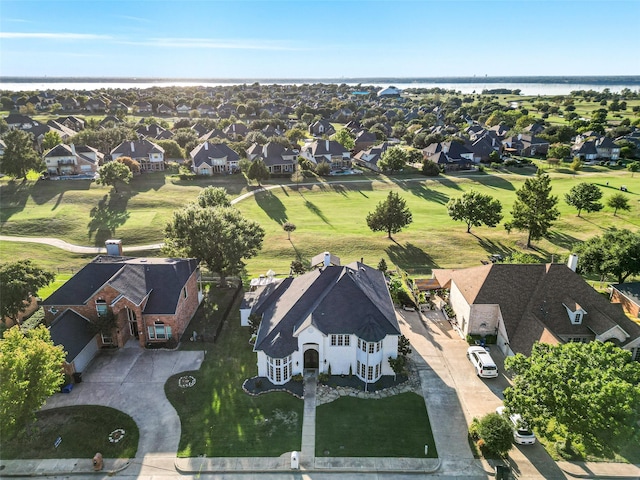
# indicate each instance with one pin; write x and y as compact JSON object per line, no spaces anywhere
{"x":522,"y":435}
{"x":482,"y":362}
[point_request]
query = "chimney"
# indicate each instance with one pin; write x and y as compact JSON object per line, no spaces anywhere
{"x":326,"y":144}
{"x":327,"y":259}
{"x":133,"y":147}
{"x":572,"y":263}
{"x":206,"y":145}
{"x":73,"y":149}
{"x":114,"y":247}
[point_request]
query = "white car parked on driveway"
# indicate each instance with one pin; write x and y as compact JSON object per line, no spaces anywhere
{"x":522,"y":435}
{"x":482,"y":362}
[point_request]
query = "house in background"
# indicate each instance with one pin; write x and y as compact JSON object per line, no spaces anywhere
{"x":321,"y":127}
{"x":524,"y":304}
{"x":150,"y":300}
{"x":525,"y":145}
{"x":278,"y":159}
{"x":71,"y":160}
{"x":338,"y":318}
{"x":210,"y":158}
{"x":370,"y":158}
{"x":328,"y":151}
{"x":149,"y":155}
{"x":628,"y":295}
{"x":450,"y":155}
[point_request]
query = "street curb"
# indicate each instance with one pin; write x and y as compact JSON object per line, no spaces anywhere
{"x":110,"y":473}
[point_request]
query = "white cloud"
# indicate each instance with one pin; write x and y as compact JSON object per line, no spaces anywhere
{"x":54,"y":36}
{"x":135,"y":19}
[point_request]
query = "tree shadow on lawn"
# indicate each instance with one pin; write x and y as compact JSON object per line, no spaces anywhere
{"x":493,"y":248}
{"x":272,"y":206}
{"x":409,"y":256}
{"x":495,"y":182}
{"x":110,"y":213}
{"x":14,"y":197}
{"x":422,"y":191}
{"x":447,"y":182}
{"x":562,"y":240}
{"x":315,"y":210}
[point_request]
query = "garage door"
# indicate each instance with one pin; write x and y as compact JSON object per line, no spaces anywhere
{"x":86,"y":355}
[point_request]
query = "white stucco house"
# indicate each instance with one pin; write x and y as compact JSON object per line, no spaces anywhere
{"x":338,"y":318}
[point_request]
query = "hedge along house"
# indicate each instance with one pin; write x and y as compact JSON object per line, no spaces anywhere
{"x":335,"y":318}
{"x":150,"y":300}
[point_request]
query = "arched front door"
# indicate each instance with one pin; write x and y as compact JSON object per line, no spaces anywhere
{"x":311,"y":357}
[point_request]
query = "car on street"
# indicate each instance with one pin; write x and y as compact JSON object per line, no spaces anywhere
{"x":522,"y":434}
{"x":482,"y":362}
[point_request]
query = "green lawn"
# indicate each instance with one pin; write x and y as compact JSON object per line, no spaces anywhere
{"x":395,"y":426}
{"x":84,"y":431}
{"x":327,"y":216}
{"x":218,"y":418}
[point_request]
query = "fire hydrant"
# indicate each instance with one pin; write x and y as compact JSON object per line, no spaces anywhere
{"x":97,"y":462}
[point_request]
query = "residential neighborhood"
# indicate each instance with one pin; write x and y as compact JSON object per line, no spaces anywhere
{"x":260,"y":269}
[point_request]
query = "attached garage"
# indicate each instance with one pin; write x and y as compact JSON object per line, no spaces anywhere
{"x":74,"y":333}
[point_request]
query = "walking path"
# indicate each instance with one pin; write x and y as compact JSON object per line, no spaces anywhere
{"x":308,"y":453}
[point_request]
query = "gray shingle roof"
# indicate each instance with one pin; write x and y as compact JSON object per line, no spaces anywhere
{"x":162,"y":279}
{"x":73,"y":332}
{"x":353,"y":299}
{"x":630,"y":290}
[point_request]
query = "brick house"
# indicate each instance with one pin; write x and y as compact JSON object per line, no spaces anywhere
{"x":150,"y":300}
{"x":628,"y":295}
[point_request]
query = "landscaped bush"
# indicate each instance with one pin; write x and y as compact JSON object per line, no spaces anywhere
{"x":493,"y":434}
{"x":488,"y":339}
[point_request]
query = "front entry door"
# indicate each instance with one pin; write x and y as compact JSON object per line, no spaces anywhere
{"x":133,"y":323}
{"x":311,"y":359}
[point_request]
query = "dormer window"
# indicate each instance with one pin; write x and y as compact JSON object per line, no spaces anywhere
{"x":575,"y":311}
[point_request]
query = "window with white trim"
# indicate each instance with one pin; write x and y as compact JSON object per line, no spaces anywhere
{"x":159,"y":331}
{"x":106,"y":339}
{"x":101,"y":307}
{"x":279,"y":370}
{"x":340,"y":340}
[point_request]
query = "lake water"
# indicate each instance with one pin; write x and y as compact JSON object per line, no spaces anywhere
{"x":533,"y":88}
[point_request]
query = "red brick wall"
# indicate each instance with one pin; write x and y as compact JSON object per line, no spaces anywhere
{"x":178,"y":321}
{"x":628,"y":305}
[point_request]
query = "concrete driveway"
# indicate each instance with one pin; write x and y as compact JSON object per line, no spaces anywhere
{"x":454,"y":395}
{"x":132,"y":379}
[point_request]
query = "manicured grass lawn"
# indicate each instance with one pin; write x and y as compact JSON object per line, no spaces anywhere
{"x":396,"y":426}
{"x":84,"y":431}
{"x":220,"y":420}
{"x":328,"y":216}
{"x":333,"y":217}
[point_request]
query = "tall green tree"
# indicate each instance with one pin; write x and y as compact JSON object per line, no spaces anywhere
{"x":535,"y":208}
{"x":618,"y":201}
{"x":50,"y":140}
{"x":19,"y":155}
{"x":391,"y":215}
{"x":213,"y":197}
{"x":19,"y":281}
{"x":586,"y":388}
{"x":633,"y":167}
{"x":219,"y":236}
{"x":393,"y":159}
{"x":344,"y":138}
{"x":30,"y":372}
{"x":113,"y":172}
{"x":615,"y":252}
{"x":495,"y":432}
{"x":475,"y":209}
{"x":258,"y":171}
{"x":584,"y":196}
{"x":559,"y":151}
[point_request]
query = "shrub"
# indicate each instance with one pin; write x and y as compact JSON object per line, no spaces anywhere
{"x":495,"y":165}
{"x":323,"y":377}
{"x":259,"y":383}
{"x":510,"y":162}
{"x":297,"y":377}
{"x":496,"y":433}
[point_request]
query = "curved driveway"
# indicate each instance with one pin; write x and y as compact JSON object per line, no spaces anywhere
{"x":132,"y":380}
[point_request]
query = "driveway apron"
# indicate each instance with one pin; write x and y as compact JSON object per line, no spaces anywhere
{"x":132,"y":380}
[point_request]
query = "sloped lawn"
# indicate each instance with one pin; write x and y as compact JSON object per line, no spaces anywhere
{"x":218,"y":418}
{"x":396,"y":426}
{"x":84,"y":430}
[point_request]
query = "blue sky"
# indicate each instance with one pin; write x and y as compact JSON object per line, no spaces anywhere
{"x":318,"y":39}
